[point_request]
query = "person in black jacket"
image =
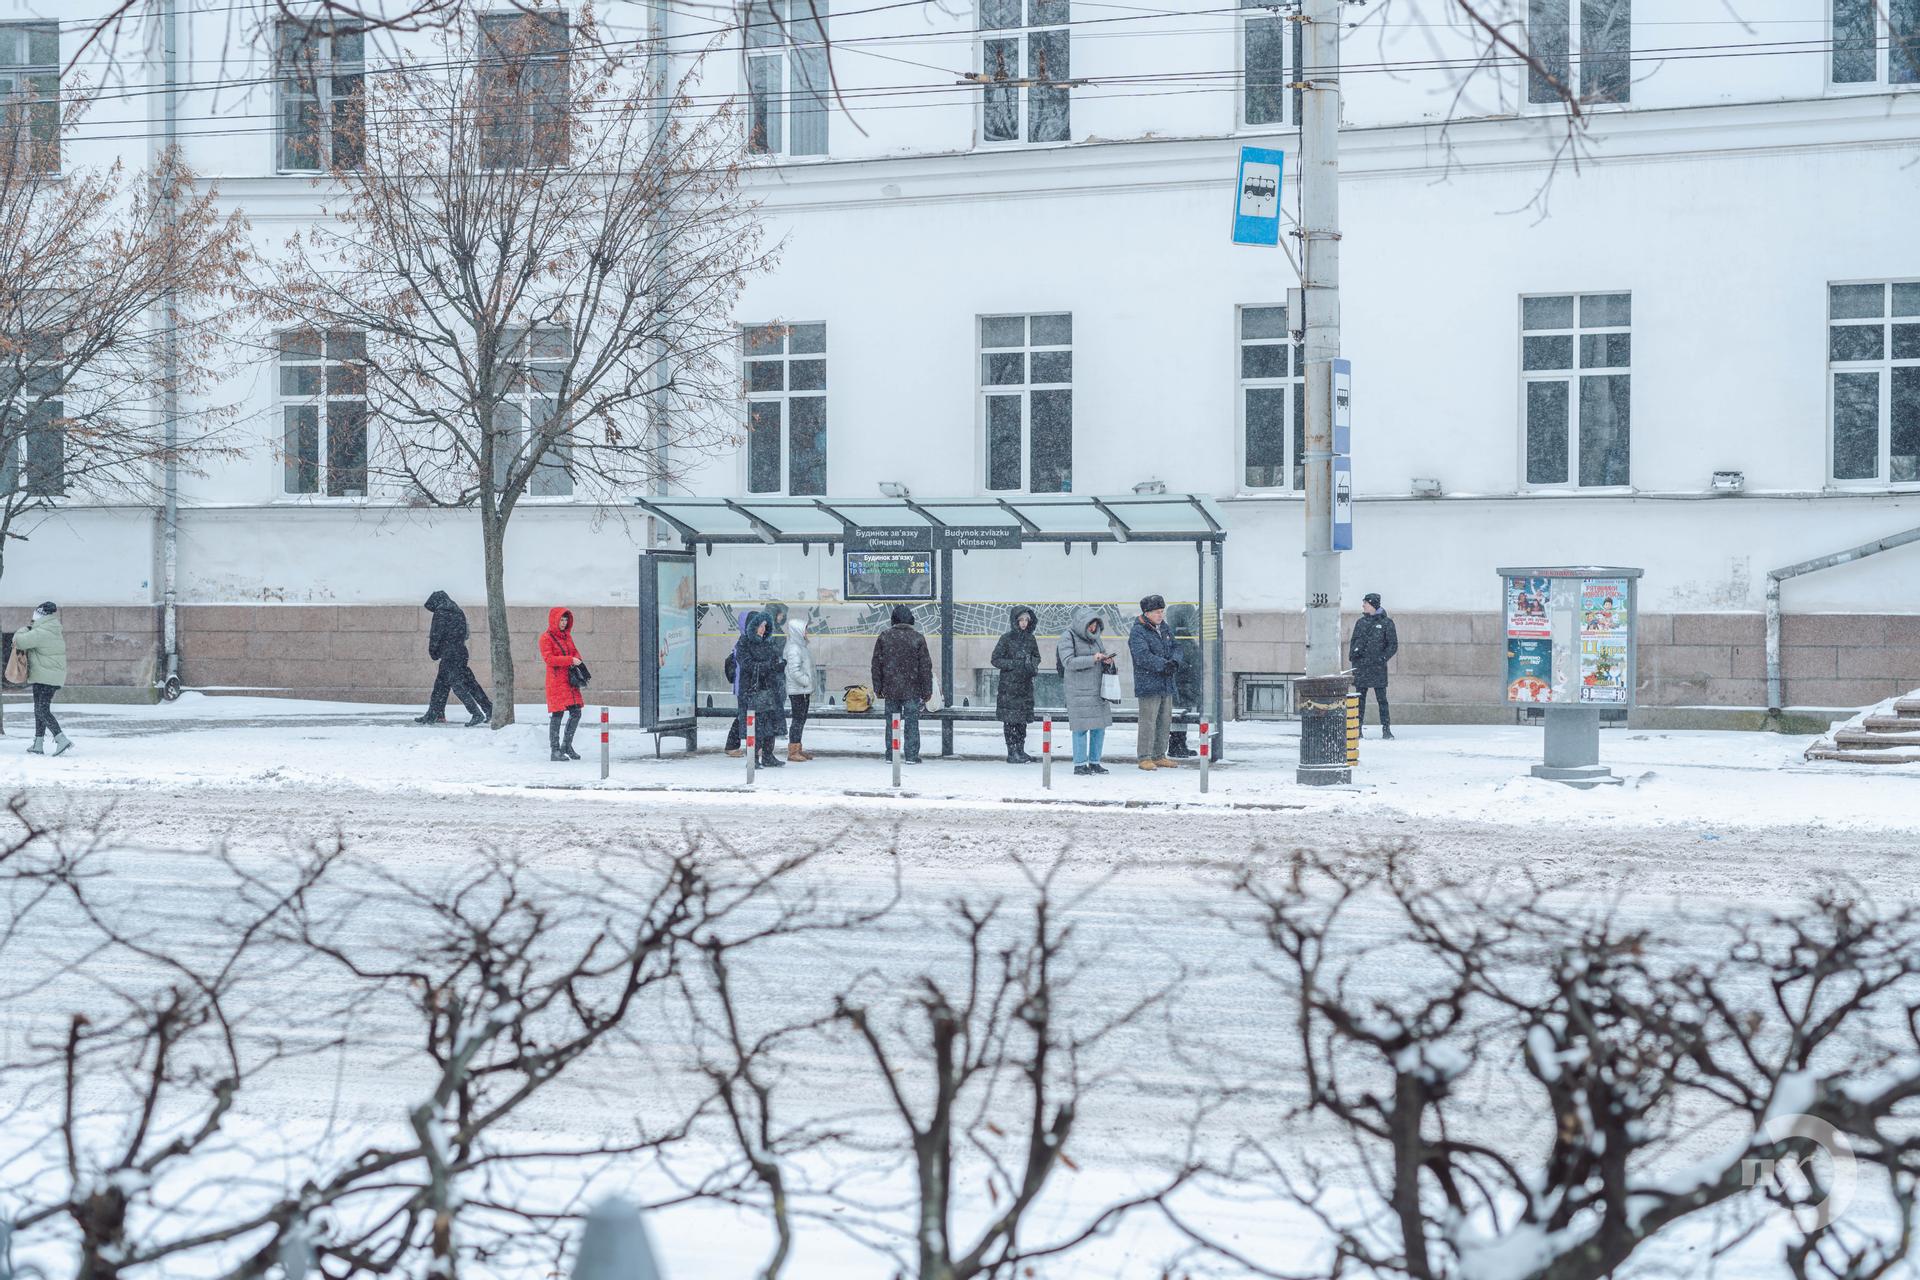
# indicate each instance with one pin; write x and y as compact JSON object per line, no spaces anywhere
{"x":903,"y":679}
{"x":763,"y":669}
{"x":1017,"y":659}
{"x":1185,"y":621}
{"x":447,"y":645}
{"x":1374,"y":643}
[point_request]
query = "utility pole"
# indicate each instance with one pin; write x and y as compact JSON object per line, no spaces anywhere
{"x":1321,"y":695}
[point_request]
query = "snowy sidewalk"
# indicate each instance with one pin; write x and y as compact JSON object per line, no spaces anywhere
{"x":1713,"y":780}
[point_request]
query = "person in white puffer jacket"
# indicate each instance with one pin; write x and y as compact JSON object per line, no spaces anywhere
{"x":802,"y":679}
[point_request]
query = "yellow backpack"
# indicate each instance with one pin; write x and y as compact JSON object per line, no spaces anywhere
{"x":857,"y":697}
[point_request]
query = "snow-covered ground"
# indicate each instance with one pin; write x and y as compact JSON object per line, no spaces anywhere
{"x":1706,"y":821}
{"x":1707,"y":780}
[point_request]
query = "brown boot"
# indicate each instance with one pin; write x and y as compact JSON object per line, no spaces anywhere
{"x":795,"y":755}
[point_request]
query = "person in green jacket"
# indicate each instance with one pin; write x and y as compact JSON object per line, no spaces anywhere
{"x":46,"y":648}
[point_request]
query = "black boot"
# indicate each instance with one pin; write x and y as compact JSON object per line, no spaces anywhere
{"x":1177,"y":748}
{"x":553,"y":738}
{"x":429,"y":718}
{"x":566,"y":742}
{"x":1386,"y":732}
{"x":767,"y":759}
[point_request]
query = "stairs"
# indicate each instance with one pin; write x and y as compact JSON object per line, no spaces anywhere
{"x":1885,"y":734}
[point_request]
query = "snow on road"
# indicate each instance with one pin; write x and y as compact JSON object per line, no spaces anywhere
{"x":1707,"y":821}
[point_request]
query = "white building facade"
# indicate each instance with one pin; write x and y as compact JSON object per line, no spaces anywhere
{"x":1006,"y":269}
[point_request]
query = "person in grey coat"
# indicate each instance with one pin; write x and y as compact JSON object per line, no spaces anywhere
{"x":1083,"y":659}
{"x":45,"y":645}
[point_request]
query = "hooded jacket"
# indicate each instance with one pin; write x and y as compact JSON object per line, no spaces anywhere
{"x":447,"y":637}
{"x":46,"y":644}
{"x":1081,"y":669}
{"x":1185,"y":621}
{"x":1374,"y":642}
{"x":902,"y":666}
{"x":760,"y":664}
{"x":558,"y":651}
{"x":1017,"y":659}
{"x":801,"y":677}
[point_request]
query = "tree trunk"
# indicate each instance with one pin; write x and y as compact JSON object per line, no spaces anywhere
{"x":493,"y":537}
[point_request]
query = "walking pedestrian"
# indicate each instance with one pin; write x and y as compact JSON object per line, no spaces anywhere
{"x":802,"y":677}
{"x":1084,"y":662}
{"x":1374,"y":643}
{"x":737,"y":731}
{"x":761,"y":668}
{"x":1185,"y":621}
{"x":45,"y":643}
{"x":903,"y":679}
{"x":561,"y":655}
{"x":1156,"y":664}
{"x":1017,"y":659}
{"x":447,"y":645}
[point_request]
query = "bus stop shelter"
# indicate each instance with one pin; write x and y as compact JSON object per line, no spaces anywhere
{"x":903,"y":528}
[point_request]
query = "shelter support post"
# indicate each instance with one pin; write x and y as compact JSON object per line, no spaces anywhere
{"x":947,"y":690}
{"x":1215,"y":648}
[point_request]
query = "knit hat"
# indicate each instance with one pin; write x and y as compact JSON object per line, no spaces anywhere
{"x":1372,"y":598}
{"x":1151,"y":603}
{"x":46,"y":610}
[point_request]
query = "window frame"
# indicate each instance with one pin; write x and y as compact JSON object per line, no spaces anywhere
{"x":1882,"y":481}
{"x":1571,"y":376}
{"x":321,"y":400}
{"x":487,"y":57}
{"x":786,"y":49}
{"x":1025,"y":390}
{"x":784,"y":397}
{"x":1293,"y":384}
{"x":326,"y":70}
{"x":1577,"y":60}
{"x":1293,"y":53}
{"x":1022,"y":36}
{"x":28,"y":70}
{"x":1880,"y":13}
{"x":521,"y":395}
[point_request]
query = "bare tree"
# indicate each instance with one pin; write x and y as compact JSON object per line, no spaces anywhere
{"x":527,"y":261}
{"x":93,"y":264}
{"x":1516,"y":1079}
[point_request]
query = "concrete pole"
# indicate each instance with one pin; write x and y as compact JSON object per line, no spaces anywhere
{"x":1321,"y":695}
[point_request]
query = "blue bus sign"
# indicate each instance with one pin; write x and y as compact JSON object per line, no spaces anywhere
{"x":1256,"y":196}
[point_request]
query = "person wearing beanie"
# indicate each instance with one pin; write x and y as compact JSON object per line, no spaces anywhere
{"x":45,"y":645}
{"x":1156,"y":669}
{"x":902,"y":671}
{"x":1373,"y":645}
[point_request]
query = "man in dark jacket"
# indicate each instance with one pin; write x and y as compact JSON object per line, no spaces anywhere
{"x":1017,"y":659}
{"x":1374,"y":643}
{"x":1185,"y":621}
{"x":903,"y":678}
{"x":447,"y":645}
{"x":1156,"y":665}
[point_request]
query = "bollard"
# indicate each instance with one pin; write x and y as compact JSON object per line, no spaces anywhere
{"x":893,"y":746}
{"x":1046,"y":753}
{"x":1206,"y":754}
{"x":753,"y":751}
{"x":1353,"y":729}
{"x":606,"y":748}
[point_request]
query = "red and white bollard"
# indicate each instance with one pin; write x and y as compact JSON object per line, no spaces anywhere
{"x":893,"y":746}
{"x":1206,"y":753}
{"x":606,"y":748}
{"x":753,"y":750}
{"x":1046,"y":753}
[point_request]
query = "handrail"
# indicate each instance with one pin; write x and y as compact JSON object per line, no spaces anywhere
{"x":1776,"y":576}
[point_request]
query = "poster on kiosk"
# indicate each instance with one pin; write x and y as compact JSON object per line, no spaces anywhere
{"x":1569,"y":636}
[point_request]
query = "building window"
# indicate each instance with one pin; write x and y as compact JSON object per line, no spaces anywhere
{"x":33,"y":445}
{"x":1876,"y":42}
{"x":1602,"y":32}
{"x":320,"y":75}
{"x":784,"y":372}
{"x":1273,"y":401}
{"x":30,"y":90}
{"x":1026,"y":380}
{"x":787,"y":84}
{"x":1266,"y":40}
{"x":323,"y":412}
{"x":1575,"y":352}
{"x":1025,"y":67}
{"x":535,"y":369}
{"x":1873,"y":360}
{"x":525,"y":89}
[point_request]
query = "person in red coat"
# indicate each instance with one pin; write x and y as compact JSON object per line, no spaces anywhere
{"x":561,"y":655}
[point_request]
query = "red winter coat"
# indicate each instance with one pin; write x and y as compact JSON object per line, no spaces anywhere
{"x":558,"y":651}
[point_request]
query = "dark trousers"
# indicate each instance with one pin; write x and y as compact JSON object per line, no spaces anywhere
{"x":554,"y":739}
{"x":737,"y":731}
{"x":800,"y":703}
{"x":456,"y":677}
{"x":1380,"y":695}
{"x":43,"y":721}
{"x":1016,"y":735}
{"x":908,"y":709}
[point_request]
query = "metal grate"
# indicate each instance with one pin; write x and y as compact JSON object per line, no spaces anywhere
{"x":1264,"y":695}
